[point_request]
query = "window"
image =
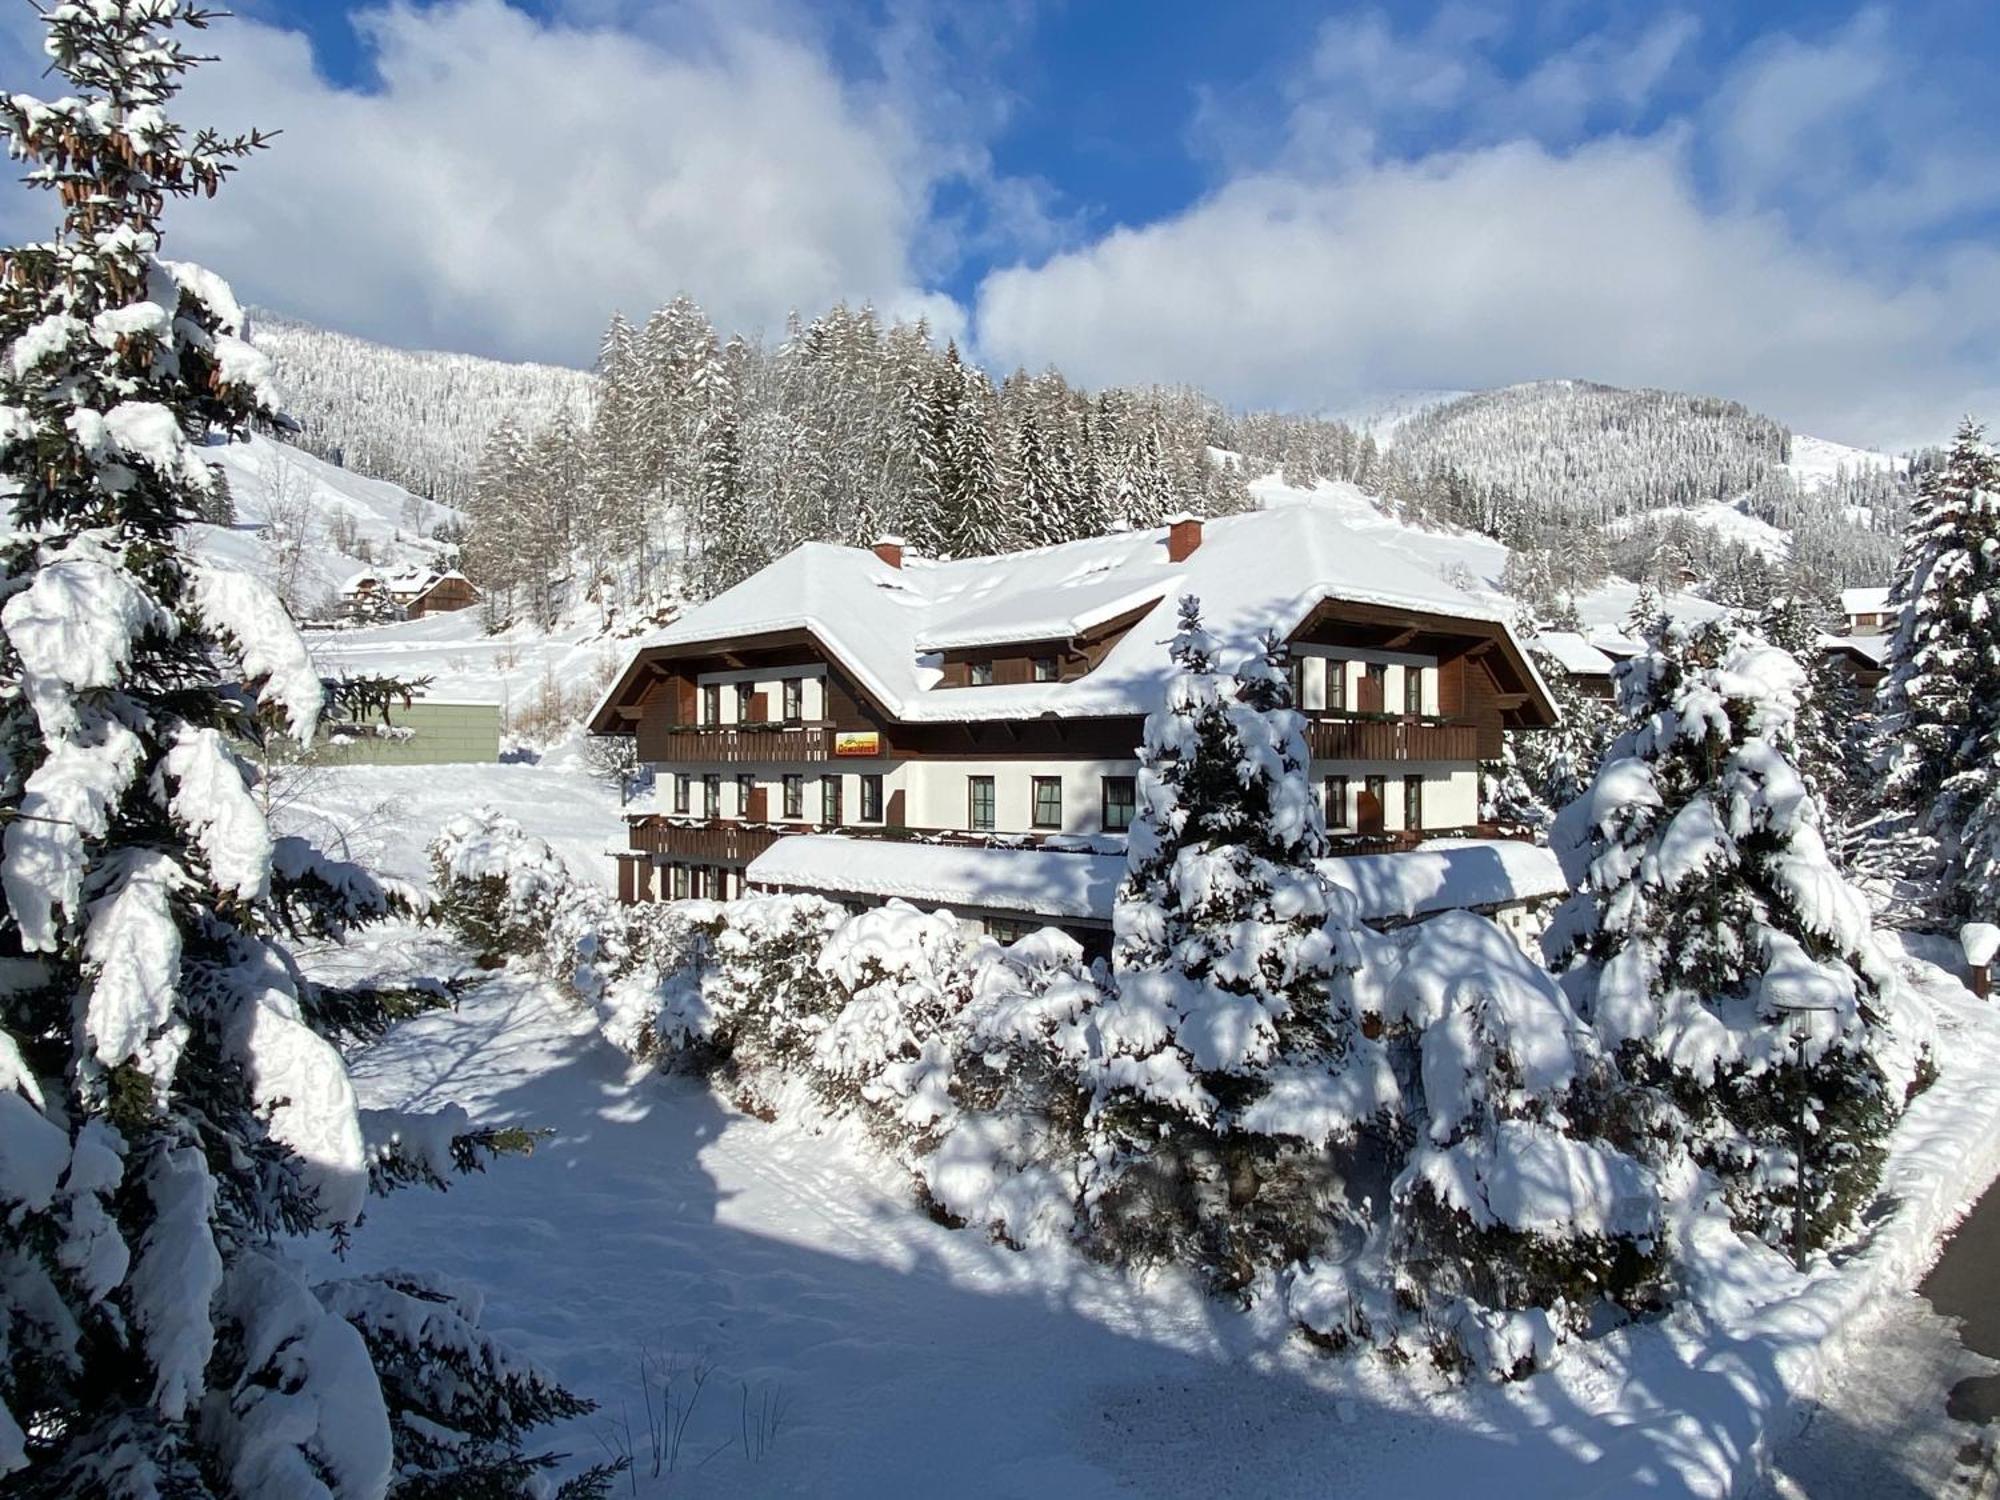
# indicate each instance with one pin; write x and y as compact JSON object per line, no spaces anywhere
{"x":1007,"y":929}
{"x":1336,"y":685}
{"x":795,"y":699}
{"x":682,"y":785}
{"x":711,"y":796}
{"x":1045,"y":669}
{"x":1413,"y":690}
{"x":1295,"y":675}
{"x":743,"y":696}
{"x":829,"y":801}
{"x":745,"y":785}
{"x":979,"y":803}
{"x":871,"y":799}
{"x":795,"y":796}
{"x":1120,"y":797}
{"x":1336,"y":803}
{"x":1374,"y":688}
{"x":711,"y":703}
{"x":1048,"y":802}
{"x":1413,"y":802}
{"x":680,"y":882}
{"x":981,"y":674}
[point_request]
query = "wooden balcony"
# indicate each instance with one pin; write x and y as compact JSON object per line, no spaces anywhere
{"x":750,"y":744}
{"x":699,"y":841}
{"x":1334,"y":738}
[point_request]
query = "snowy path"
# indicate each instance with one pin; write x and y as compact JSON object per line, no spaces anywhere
{"x":915,"y":1359}
{"x":1882,"y":1431}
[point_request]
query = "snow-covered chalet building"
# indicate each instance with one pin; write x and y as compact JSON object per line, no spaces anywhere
{"x":868,"y":724}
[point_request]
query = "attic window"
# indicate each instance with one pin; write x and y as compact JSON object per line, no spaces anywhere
{"x":981,"y":674}
{"x":1045,"y":669}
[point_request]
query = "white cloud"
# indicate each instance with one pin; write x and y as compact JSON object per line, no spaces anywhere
{"x":1506,"y":263}
{"x":509,"y":182}
{"x":1352,"y":255}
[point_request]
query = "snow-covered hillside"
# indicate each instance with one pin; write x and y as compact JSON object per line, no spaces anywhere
{"x":417,"y":417}
{"x":305,"y":525}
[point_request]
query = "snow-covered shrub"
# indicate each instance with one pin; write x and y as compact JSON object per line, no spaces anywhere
{"x":1505,"y":1206}
{"x":1226,"y":1070}
{"x":460,"y":1403}
{"x":905,"y":978}
{"x":757,"y":998}
{"x":1010,"y":1161}
{"x":1715,"y":948}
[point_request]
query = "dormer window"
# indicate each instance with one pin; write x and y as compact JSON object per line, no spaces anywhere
{"x":981,"y":674}
{"x":1045,"y":669}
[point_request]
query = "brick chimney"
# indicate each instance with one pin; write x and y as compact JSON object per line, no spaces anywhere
{"x":890,"y":550}
{"x":1183,"y":536}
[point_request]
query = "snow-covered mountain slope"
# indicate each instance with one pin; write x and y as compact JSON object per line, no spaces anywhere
{"x":417,"y":417}
{"x":1381,"y":416}
{"x":305,"y":525}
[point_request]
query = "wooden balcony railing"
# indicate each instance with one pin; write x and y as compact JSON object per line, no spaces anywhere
{"x":751,"y":744}
{"x":694,"y":841}
{"x":1391,"y":739}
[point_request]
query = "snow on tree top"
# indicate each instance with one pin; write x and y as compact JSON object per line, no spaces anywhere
{"x":1253,"y":572}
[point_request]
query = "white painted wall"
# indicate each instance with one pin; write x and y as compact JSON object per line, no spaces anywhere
{"x":767,"y":680}
{"x":938,"y":796}
{"x":1322,"y":662}
{"x":1451,"y":791}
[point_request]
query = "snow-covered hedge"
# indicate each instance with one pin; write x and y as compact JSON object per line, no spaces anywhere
{"x":1439,"y":1165}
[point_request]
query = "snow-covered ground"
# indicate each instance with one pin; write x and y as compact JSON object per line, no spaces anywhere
{"x":467,"y":665}
{"x":660,"y":1229}
{"x":386,"y":816}
{"x":277,"y":488}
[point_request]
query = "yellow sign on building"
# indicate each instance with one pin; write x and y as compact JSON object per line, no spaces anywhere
{"x":857,"y":742}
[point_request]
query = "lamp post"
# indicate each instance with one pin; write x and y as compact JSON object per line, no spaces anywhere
{"x":1799,"y":1025}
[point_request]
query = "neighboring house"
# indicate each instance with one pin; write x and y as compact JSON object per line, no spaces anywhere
{"x":1866,"y":657}
{"x":1867,"y":611}
{"x":1586,"y":665}
{"x":408,"y":594}
{"x":947,"y":710}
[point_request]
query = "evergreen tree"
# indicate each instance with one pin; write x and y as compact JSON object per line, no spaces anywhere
{"x":172,"y":1103}
{"x":1940,"y":702}
{"x":1229,"y":1066}
{"x":1715,"y":948}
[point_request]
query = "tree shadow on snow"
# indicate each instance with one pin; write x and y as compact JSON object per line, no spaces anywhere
{"x":659,"y":1227}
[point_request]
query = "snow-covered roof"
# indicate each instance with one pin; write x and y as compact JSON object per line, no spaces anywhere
{"x":360,"y":581}
{"x":1874,"y":648}
{"x":1252,"y":572}
{"x":1447,"y":875}
{"x":1047,"y":882}
{"x":1473,"y":874}
{"x":1573,"y":653}
{"x":1864,"y":601}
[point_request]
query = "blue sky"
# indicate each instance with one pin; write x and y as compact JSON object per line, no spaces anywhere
{"x":1793,"y":204}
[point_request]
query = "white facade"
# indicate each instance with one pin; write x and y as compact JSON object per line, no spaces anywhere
{"x":937,"y":793}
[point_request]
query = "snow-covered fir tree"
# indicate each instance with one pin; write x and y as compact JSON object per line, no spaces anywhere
{"x":172,"y":1104}
{"x":1715,"y":948}
{"x":1940,"y":703}
{"x":1228,"y":1066}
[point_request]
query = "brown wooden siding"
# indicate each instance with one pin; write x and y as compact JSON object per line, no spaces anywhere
{"x":703,"y":843}
{"x":1391,"y":739}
